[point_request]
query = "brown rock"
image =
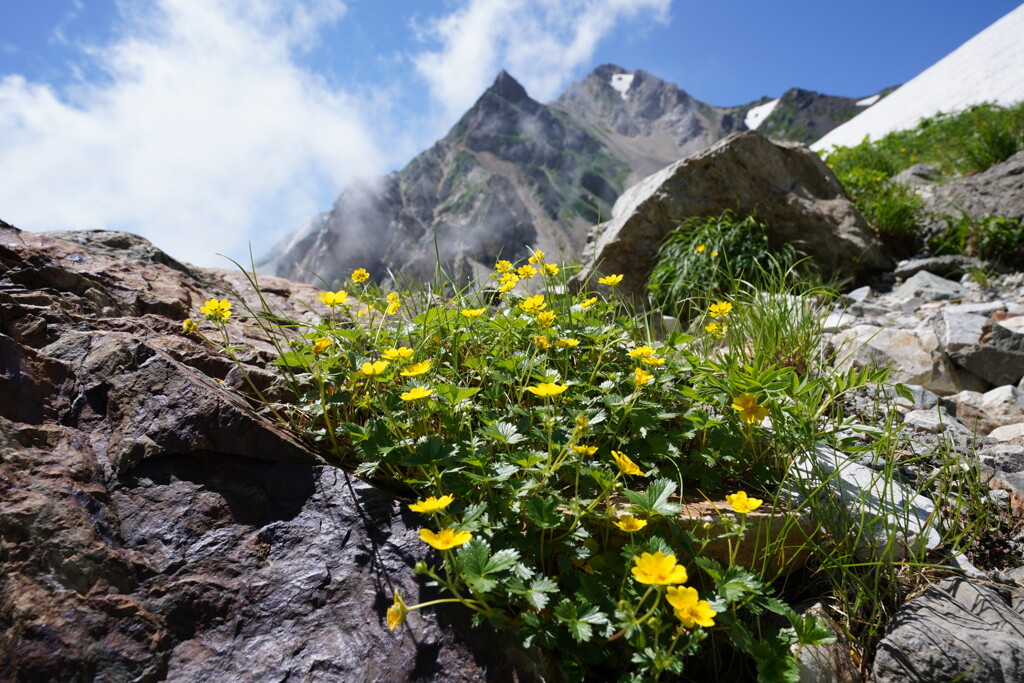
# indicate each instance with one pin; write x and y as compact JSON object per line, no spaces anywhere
{"x":153,"y":525}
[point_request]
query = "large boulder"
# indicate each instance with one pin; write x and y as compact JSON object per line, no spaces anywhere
{"x":155,"y":526}
{"x":786,"y":185}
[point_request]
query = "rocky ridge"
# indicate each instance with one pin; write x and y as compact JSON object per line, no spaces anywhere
{"x":514,"y":174}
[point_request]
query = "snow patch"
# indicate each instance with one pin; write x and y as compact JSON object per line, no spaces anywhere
{"x":868,"y":101}
{"x":987,"y":68}
{"x":757,"y":115}
{"x":621,"y":82}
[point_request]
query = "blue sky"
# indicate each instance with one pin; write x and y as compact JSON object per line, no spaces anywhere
{"x":209,"y":125}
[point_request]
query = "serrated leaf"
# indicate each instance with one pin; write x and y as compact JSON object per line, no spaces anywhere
{"x":543,"y":511}
{"x":455,"y":394}
{"x":503,"y":432}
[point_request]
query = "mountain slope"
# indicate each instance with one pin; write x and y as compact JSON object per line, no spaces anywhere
{"x":514,"y":174}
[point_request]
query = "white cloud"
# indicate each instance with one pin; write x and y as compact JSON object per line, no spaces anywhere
{"x":539,"y":42}
{"x":203,"y":135}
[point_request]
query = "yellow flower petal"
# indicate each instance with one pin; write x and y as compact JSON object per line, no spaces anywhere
{"x":445,"y":538}
{"x":432,"y":504}
{"x":658,"y":569}
{"x":416,"y":369}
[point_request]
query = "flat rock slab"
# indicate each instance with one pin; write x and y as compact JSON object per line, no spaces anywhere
{"x":956,"y":630}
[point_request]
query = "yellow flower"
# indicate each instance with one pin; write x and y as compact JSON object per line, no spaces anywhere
{"x":415,"y":394}
{"x":401,"y":353}
{"x":658,"y":569}
{"x":320,"y":345}
{"x":217,"y":311}
{"x":714,"y":254}
{"x":369,"y":307}
{"x":445,"y":538}
{"x":741,"y":503}
{"x":720,"y":309}
{"x":587,"y":303}
{"x":584,"y":450}
{"x":503,"y":266}
{"x":189,"y":326}
{"x":629,"y":523}
{"x":641,"y":377}
{"x":610,"y":280}
{"x":473,"y":312}
{"x":546,"y":389}
{"x":546,"y":318}
{"x":532,"y":304}
{"x":642,"y":352}
{"x":700,"y":249}
{"x":655,"y":361}
{"x":432,"y":504}
{"x":541,"y":341}
{"x":526,"y":272}
{"x":689,"y":608}
{"x":538,"y":257}
{"x":374,"y":368}
{"x":393,"y":307}
{"x":392,"y":296}
{"x":717,"y":329}
{"x":360,"y":275}
{"x":567,"y":343}
{"x":333,"y":299}
{"x":750,"y":412}
{"x":416,"y":369}
{"x":508,"y":282}
{"x":550,"y":269}
{"x":397,"y":612}
{"x":626,"y":466}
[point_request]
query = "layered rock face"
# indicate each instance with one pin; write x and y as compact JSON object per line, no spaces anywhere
{"x":152,"y":525}
{"x":514,"y":174}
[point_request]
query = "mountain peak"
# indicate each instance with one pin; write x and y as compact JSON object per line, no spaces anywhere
{"x":508,"y":88}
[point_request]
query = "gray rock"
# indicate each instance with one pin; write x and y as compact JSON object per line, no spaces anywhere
{"x":959,"y":330}
{"x":934,"y":422}
{"x":952,"y":264}
{"x":910,"y":354}
{"x":858,"y":295}
{"x":996,"y":191}
{"x":928,"y":286}
{"x":790,"y":188}
{"x":918,"y":175}
{"x":999,"y":356}
{"x":983,"y":413}
{"x":956,"y":630}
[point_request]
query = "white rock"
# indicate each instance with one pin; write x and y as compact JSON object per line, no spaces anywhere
{"x":891,"y":521}
{"x":1009,"y":433}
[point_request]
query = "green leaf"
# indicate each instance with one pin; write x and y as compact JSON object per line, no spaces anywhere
{"x":455,"y":394}
{"x":654,"y":501}
{"x":543,"y":511}
{"x":580,"y":619}
{"x":503,"y":432}
{"x":479,"y":566}
{"x":430,"y":450}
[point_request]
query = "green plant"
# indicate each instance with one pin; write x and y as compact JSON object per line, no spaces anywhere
{"x":996,"y":239}
{"x":703,"y":258}
{"x":955,"y":143}
{"x":549,"y":444}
